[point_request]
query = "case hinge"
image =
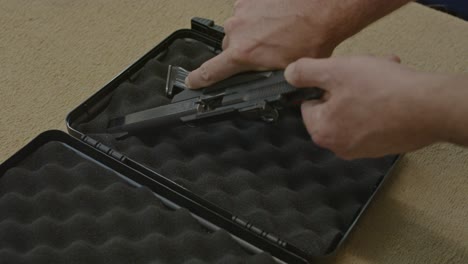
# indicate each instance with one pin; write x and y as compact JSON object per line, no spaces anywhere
{"x":103,"y":148}
{"x":259,"y":231}
{"x":208,"y":27}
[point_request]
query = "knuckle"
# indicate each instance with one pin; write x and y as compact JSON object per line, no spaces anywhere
{"x":297,"y":74}
{"x":225,"y":43}
{"x":330,"y":139}
{"x":302,"y":62}
{"x":240,"y":55}
{"x":343,"y":150}
{"x":346,"y":152}
{"x":231,"y":24}
{"x":324,"y":139}
{"x":205,"y":74}
{"x":327,"y":76}
{"x":239,"y":3}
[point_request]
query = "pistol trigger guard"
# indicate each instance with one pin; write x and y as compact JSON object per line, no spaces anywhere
{"x":269,"y":114}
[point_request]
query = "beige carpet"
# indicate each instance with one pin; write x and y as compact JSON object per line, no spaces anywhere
{"x":56,"y":53}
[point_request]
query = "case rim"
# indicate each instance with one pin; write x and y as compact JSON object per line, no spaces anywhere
{"x":172,"y":194}
{"x":169,"y":197}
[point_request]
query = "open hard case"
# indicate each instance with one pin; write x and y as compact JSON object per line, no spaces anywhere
{"x":233,"y":191}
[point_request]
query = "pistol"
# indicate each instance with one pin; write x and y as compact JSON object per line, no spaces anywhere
{"x":257,"y":95}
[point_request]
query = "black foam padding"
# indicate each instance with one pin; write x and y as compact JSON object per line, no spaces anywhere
{"x":269,"y":174}
{"x":58,"y":207}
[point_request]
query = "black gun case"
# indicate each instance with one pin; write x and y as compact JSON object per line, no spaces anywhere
{"x":234,"y":191}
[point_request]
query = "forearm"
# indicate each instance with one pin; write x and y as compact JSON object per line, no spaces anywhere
{"x":351,"y":16}
{"x":271,"y":34}
{"x":450,"y":105}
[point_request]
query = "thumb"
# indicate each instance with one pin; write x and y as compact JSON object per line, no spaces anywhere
{"x":213,"y":70}
{"x":307,"y":72}
{"x":394,"y":58}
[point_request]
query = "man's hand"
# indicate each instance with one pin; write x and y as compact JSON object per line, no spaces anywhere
{"x":270,"y":34}
{"x":373,"y":106}
{"x":267,"y":34}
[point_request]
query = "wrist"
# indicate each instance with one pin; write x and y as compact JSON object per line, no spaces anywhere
{"x":454,"y":105}
{"x":444,"y":108}
{"x":343,"y":19}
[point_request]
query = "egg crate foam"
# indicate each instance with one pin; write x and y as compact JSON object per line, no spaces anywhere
{"x":60,"y":207}
{"x":272,"y":175}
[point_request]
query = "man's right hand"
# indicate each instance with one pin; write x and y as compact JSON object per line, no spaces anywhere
{"x":270,"y":34}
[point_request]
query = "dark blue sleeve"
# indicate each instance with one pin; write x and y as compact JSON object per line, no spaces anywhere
{"x":457,"y":8}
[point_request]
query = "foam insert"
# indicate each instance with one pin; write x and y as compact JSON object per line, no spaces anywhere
{"x":272,"y":175}
{"x":59,"y":207}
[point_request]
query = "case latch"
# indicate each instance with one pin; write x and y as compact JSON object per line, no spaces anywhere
{"x":208,"y":27}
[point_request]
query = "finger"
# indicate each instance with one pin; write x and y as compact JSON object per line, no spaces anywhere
{"x":311,"y":116}
{"x":214,"y":70}
{"x":237,"y":3}
{"x":310,"y":105}
{"x":225,"y":43}
{"x":236,"y":6}
{"x":393,"y":58}
{"x":309,"y":72}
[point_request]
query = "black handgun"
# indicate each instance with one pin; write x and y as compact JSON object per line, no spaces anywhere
{"x":257,"y":95}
